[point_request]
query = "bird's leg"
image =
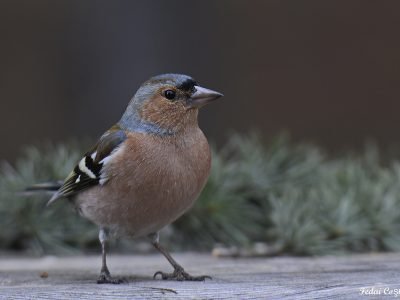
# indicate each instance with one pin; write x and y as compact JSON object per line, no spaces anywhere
{"x":179,"y":273}
{"x":105,"y":276}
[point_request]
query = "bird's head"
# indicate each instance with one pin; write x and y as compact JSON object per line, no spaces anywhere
{"x":166,"y":104}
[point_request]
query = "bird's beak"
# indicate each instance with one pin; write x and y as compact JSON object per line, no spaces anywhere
{"x":201,"y":97}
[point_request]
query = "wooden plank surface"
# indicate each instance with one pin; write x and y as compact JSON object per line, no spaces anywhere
{"x":242,"y":278}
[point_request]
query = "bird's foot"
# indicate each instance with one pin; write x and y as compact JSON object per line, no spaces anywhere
{"x":105,"y":277}
{"x":179,"y":274}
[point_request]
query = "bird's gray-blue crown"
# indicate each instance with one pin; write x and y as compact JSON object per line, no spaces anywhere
{"x":180,"y":81}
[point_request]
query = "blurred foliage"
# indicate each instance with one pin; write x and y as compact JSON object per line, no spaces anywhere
{"x":290,"y":196}
{"x":26,"y":223}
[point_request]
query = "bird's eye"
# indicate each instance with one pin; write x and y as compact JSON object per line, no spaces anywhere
{"x":169,"y":94}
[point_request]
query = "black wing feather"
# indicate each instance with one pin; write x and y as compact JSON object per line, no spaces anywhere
{"x":88,"y":171}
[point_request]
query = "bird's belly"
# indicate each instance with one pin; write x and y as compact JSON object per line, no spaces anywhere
{"x":152,"y":198}
{"x":133,"y":215}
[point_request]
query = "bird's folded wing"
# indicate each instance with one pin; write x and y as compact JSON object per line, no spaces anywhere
{"x":88,"y":172}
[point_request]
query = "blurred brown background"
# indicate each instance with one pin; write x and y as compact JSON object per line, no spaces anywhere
{"x":327,"y":71}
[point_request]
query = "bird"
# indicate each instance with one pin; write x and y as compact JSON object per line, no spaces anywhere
{"x":147,"y":170}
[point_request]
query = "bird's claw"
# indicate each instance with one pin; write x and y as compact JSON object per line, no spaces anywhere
{"x":106,"y":278}
{"x":179,"y":274}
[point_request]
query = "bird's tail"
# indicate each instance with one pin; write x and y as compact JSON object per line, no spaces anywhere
{"x":49,"y":187}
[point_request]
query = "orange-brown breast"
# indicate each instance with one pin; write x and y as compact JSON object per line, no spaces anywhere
{"x":152,"y":181}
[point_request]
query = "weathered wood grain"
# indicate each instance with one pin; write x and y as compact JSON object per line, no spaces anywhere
{"x":243,"y":278}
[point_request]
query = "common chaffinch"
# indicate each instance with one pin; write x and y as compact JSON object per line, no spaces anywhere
{"x":147,"y":169}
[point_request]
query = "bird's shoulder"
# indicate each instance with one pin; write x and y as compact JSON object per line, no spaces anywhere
{"x":88,"y":171}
